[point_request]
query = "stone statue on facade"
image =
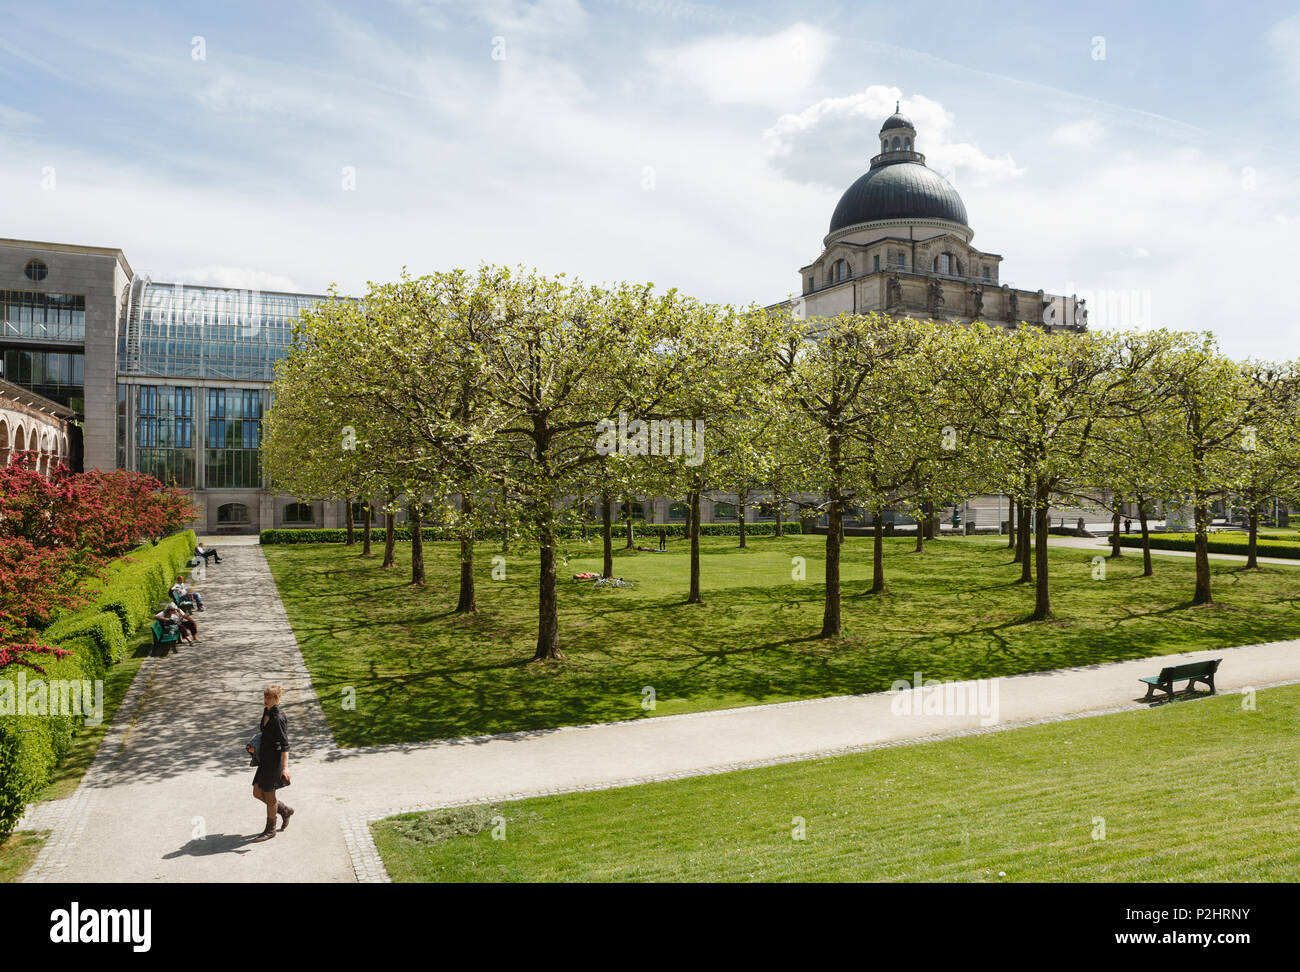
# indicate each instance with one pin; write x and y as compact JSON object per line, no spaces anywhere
{"x":977,"y":301}
{"x":934,"y":294}
{"x":1013,"y":306}
{"x":893,"y":291}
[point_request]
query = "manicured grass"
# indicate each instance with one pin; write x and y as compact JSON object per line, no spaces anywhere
{"x":1196,"y":791}
{"x":18,"y":853}
{"x":421,"y":672}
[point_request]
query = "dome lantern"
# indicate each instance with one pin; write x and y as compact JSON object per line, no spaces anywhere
{"x":897,"y":134}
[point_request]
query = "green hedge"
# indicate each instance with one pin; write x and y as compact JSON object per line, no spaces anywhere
{"x":96,"y":637}
{"x":1265,"y":548}
{"x":569,"y":532}
{"x":32,"y":745}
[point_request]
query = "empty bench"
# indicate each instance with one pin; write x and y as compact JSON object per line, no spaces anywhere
{"x":1191,"y":673}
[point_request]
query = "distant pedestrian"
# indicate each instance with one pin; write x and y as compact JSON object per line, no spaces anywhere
{"x":1128,"y":526}
{"x":663,"y":538}
{"x":272,"y":757}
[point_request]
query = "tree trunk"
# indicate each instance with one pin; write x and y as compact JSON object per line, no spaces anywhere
{"x":1027,"y":527}
{"x":780,"y":515}
{"x":351,"y":523}
{"x":467,"y":602}
{"x":878,"y":553}
{"x":693,"y":501}
{"x":367,"y":518}
{"x":920,"y":534}
{"x":1042,"y":596}
{"x":1202,"y":594}
{"x":1252,"y":548}
{"x":1011,"y":525}
{"x":1115,"y":549}
{"x":548,"y":617}
{"x":417,"y":543}
{"x":927,"y":510}
{"x":607,"y":534}
{"x":390,"y":528}
{"x":831,"y":624}
{"x":1146,"y":540}
{"x":505,"y":524}
{"x":740,"y":516}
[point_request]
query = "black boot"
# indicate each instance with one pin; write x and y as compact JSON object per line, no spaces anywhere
{"x":285,"y":811}
{"x":266,"y":834}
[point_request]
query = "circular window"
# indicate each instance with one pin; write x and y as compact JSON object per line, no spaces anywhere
{"x":36,"y":270}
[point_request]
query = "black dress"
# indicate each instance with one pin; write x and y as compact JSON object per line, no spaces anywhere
{"x":275,"y":740}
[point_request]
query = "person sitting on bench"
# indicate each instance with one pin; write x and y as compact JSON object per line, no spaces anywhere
{"x":183,"y":594}
{"x":206,"y":552}
{"x":176,"y":621}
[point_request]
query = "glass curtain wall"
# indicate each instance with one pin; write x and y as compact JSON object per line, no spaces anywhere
{"x":233,"y":460}
{"x":164,"y":433}
{"x":48,"y":317}
{"x":58,"y":375}
{"x":207,"y":332}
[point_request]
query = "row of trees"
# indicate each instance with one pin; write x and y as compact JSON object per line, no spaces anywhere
{"x":59,"y":531}
{"x":509,"y":399}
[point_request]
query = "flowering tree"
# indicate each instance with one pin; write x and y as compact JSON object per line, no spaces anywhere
{"x":57,"y":530}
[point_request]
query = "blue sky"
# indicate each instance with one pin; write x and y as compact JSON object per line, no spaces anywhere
{"x":694,"y":145}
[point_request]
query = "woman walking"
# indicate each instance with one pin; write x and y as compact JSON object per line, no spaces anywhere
{"x":273,"y":763}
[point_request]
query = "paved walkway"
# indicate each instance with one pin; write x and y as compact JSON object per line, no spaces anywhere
{"x":173,"y":766}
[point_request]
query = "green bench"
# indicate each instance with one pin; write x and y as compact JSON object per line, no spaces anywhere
{"x":1191,"y":673}
{"x":162,"y":639}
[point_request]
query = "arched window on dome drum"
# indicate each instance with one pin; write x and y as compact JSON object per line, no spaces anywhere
{"x":884,"y":145}
{"x":897,"y":143}
{"x":907,"y":144}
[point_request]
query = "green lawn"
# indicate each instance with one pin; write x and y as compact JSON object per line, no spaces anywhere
{"x":18,"y":852}
{"x":421,"y":672}
{"x":1196,"y":791}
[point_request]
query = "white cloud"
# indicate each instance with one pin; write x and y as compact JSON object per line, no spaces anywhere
{"x":772,"y":71}
{"x":830,"y":142}
{"x":236,"y":278}
{"x":1284,"y":39}
{"x":1083,"y":133}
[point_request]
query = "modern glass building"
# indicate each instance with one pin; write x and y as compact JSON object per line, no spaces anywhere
{"x":168,"y":379}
